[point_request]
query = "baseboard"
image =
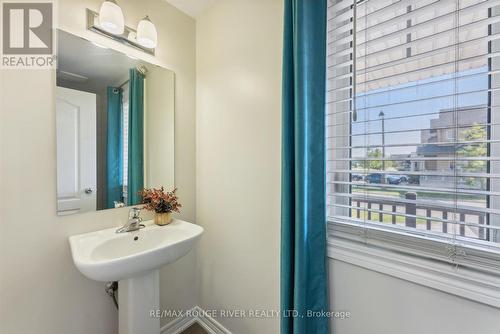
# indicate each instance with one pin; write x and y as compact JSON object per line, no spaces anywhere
{"x":196,"y":314}
{"x":211,"y":325}
{"x":178,"y":325}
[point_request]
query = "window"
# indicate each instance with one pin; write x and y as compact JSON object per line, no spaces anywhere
{"x":413,"y":124}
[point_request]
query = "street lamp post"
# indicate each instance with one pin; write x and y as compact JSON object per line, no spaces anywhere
{"x":381,"y":115}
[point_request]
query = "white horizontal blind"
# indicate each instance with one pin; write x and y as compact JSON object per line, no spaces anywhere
{"x":125,"y":126}
{"x":413,"y":116}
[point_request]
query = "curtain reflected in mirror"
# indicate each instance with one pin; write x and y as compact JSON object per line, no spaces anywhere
{"x":125,"y":141}
{"x":117,"y":190}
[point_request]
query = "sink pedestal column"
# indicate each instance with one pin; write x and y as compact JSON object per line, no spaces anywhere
{"x":137,"y":297}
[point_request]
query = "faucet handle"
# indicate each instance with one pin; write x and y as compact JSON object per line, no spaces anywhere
{"x":134,"y":213}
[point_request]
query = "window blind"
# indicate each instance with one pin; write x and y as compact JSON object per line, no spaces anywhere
{"x":413,"y":116}
{"x":125,"y":126}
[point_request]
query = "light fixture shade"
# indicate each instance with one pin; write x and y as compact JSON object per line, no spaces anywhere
{"x":146,"y":33}
{"x":111,"y":18}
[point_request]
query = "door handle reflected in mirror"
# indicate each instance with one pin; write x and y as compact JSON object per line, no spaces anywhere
{"x":88,"y":191}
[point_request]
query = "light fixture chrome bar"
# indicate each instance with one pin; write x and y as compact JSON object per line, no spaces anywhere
{"x":92,"y":25}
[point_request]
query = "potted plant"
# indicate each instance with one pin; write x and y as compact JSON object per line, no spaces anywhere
{"x":162,"y":202}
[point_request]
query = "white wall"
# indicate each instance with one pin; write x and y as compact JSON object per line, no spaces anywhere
{"x":238,"y":158}
{"x":40,"y":289}
{"x":382,"y":304}
{"x":159,"y":129}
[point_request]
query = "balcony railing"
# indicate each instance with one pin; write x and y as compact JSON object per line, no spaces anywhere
{"x":429,"y":216}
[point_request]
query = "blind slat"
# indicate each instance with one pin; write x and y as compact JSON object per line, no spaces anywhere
{"x":438,"y":205}
{"x":424,"y":218}
{"x":416,"y":188}
{"x":406,"y":173}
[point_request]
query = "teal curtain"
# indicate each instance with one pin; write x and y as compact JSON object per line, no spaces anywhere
{"x":135,"y":137}
{"x":304,"y":281}
{"x":114,"y":147}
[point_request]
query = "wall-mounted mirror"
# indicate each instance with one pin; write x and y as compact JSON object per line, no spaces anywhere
{"x":115,"y":127}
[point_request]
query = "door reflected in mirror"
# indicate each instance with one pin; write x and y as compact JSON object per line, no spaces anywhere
{"x":114,"y":124}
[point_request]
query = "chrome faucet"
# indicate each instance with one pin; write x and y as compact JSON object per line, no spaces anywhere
{"x":134,"y":221}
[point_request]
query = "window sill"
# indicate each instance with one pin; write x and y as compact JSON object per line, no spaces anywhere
{"x":472,"y":273}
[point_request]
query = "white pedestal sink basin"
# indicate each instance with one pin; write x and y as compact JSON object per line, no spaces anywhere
{"x":133,"y":259}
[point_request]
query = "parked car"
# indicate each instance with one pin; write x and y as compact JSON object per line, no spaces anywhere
{"x":414,"y":179}
{"x":374,"y":178}
{"x":357,"y":177}
{"x":397,"y":179}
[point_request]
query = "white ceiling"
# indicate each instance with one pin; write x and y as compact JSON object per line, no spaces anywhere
{"x":192,"y":7}
{"x":83,"y":65}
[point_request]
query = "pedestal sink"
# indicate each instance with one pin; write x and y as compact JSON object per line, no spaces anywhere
{"x":133,"y":259}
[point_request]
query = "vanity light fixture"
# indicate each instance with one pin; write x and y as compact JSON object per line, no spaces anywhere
{"x":144,"y":39}
{"x":146,"y":33}
{"x":132,"y":35}
{"x":111,"y":18}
